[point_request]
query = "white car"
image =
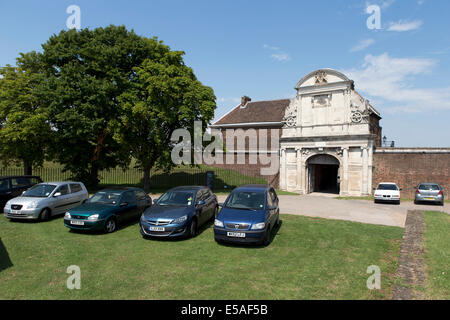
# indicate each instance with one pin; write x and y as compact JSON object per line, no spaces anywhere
{"x":387,"y":191}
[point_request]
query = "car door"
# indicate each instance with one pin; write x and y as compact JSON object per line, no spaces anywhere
{"x":5,"y":192}
{"x":202,"y":210}
{"x":19,"y":185}
{"x":275,"y":202}
{"x":272,"y":206}
{"x":62,"y":202}
{"x":210,"y":202}
{"x":76,"y":192}
{"x":128,"y":207}
{"x":142,"y":200}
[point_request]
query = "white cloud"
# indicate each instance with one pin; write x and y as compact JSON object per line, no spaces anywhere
{"x":279,"y":55}
{"x":390,"y":79}
{"x":403,"y":25}
{"x":363,"y":44}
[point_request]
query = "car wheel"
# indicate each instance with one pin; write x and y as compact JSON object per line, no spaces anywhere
{"x":110,"y":225}
{"x":45,"y":215}
{"x":442,"y":203}
{"x":193,"y":228}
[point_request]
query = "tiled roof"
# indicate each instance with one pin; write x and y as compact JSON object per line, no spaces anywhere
{"x":258,"y":111}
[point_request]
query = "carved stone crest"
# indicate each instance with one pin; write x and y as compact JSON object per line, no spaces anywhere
{"x":359,"y":114}
{"x":290,"y":115}
{"x":339,"y":151}
{"x":305,"y":152}
{"x":321,"y":77}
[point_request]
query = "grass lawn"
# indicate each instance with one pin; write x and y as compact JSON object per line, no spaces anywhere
{"x":437,"y":255}
{"x":309,"y":258}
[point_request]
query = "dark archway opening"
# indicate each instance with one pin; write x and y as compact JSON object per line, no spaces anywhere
{"x":323,"y":174}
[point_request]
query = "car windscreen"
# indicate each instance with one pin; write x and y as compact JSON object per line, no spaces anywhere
{"x":176,"y":198}
{"x":40,"y":191}
{"x":108,"y":198}
{"x":246,"y":200}
{"x":431,"y":187}
{"x":387,"y":187}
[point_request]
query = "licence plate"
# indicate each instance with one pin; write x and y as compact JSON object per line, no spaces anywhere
{"x":157,"y":229}
{"x":429,"y":198}
{"x":78,"y":223}
{"x":236,"y":234}
{"x":15,"y":211}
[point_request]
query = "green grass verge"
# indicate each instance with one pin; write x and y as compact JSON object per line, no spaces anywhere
{"x":437,"y":255}
{"x":309,"y":258}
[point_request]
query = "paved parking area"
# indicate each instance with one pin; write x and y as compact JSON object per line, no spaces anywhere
{"x":364,"y":211}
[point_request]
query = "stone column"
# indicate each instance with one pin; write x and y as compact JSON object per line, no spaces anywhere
{"x":344,"y":189}
{"x":365,"y":171}
{"x":299,"y":169}
{"x":370,"y":169}
{"x":283,"y":182}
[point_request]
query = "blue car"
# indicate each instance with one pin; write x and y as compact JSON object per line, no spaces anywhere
{"x":179,"y":212}
{"x":248,"y":215}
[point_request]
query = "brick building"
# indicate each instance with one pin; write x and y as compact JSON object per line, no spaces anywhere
{"x":329,"y":141}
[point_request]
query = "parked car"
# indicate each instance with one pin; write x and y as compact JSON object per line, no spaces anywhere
{"x":429,"y":192}
{"x":248,"y":215}
{"x":179,"y":212}
{"x":46,"y":199}
{"x":108,"y":208}
{"x":387,"y":192}
{"x":14,"y":186}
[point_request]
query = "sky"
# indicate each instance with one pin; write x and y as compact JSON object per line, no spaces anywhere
{"x":400,"y":62}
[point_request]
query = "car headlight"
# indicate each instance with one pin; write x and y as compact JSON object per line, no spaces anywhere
{"x":218,"y":223}
{"x":179,"y":220}
{"x":33,"y":205}
{"x":258,"y":226}
{"x":8,"y":204}
{"x":67,"y":216}
{"x":93,"y":217}
{"x":143,"y":218}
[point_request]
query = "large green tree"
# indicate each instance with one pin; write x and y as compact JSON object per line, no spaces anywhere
{"x":86,"y":73}
{"x":165,"y":96}
{"x":24,"y":127}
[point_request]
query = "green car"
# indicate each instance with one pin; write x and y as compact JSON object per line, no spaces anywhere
{"x":108,"y":208}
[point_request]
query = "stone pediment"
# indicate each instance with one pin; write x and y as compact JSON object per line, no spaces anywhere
{"x":321,"y":77}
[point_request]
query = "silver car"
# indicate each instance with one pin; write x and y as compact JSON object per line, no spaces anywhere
{"x":429,"y":192}
{"x":46,"y":199}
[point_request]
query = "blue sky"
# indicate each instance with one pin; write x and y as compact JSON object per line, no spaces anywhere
{"x":262,"y":48}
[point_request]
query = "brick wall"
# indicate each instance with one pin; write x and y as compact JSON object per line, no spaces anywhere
{"x":409,"y":167}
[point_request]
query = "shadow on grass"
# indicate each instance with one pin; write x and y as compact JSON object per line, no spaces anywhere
{"x":274,"y":232}
{"x":5,"y":261}
{"x":119,"y":227}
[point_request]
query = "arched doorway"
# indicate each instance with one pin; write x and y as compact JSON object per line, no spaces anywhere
{"x":323,"y":174}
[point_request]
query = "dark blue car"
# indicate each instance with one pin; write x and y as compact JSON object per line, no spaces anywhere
{"x":248,"y":215}
{"x":179,"y":212}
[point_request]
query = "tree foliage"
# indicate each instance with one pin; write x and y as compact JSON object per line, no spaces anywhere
{"x":87,"y":71}
{"x":165,"y":96}
{"x":24,"y":126}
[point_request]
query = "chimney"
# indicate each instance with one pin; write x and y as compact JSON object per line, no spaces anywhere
{"x":245,"y":100}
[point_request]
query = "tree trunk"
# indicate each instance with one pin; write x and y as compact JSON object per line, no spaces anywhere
{"x":147,"y":178}
{"x":93,"y":175}
{"x":27,"y":168}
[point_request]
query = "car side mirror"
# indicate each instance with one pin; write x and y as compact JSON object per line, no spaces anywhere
{"x":201,"y":202}
{"x":155,"y":200}
{"x":57,"y":194}
{"x":401,"y":189}
{"x":124,"y":204}
{"x":23,"y":192}
{"x":272,"y":207}
{"x":220,"y":204}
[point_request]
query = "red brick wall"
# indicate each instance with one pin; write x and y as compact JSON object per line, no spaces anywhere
{"x":409,"y":169}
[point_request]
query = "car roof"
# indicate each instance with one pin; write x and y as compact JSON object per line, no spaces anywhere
{"x":188,"y":188}
{"x":18,"y":176}
{"x":387,"y":183}
{"x":253,"y":187}
{"x":119,"y":189}
{"x":429,"y":183}
{"x":58,"y":183}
